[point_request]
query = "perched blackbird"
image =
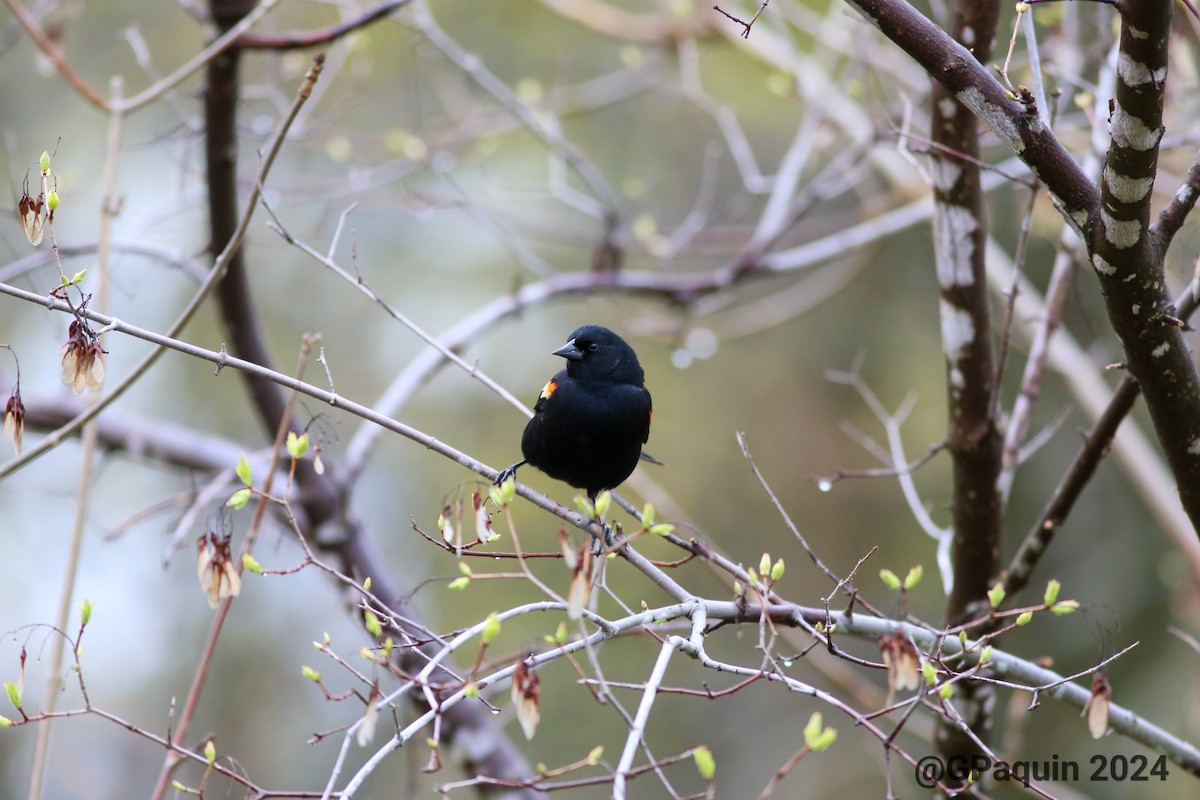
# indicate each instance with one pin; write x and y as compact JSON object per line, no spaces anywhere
{"x":592,"y":418}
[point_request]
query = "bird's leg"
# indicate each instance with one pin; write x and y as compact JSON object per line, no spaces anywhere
{"x":607,"y":541}
{"x":600,"y":543}
{"x":507,"y":472}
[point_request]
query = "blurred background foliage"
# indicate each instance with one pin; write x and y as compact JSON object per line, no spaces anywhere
{"x":455,"y":203}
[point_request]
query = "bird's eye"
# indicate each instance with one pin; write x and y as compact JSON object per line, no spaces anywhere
{"x":593,"y":347}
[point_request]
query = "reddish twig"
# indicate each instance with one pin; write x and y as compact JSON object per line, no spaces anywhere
{"x":746,"y":26}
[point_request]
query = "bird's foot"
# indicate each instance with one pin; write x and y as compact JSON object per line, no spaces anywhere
{"x":506,"y":473}
{"x":609,"y":539}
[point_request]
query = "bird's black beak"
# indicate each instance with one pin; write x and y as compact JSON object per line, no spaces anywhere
{"x":569,"y":351}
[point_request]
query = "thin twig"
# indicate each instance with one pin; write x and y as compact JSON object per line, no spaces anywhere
{"x":472,"y":370}
{"x":51,"y":50}
{"x":544,"y":129}
{"x":60,"y":435}
{"x":41,"y":750}
{"x":1007,"y":325}
{"x":746,"y":26}
{"x":638,"y":728}
{"x":155,"y":90}
{"x":204,"y":661}
{"x":320,"y":36}
{"x":892,"y":423}
{"x":787,"y":520}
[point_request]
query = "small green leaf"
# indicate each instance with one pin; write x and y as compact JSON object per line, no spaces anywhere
{"x":777,"y":570}
{"x":5,"y":722}
{"x":1064,"y":607}
{"x":813,"y":728}
{"x":1024,"y":617}
{"x":929,"y":672}
{"x":986,"y":655}
{"x":458,"y":584}
{"x":890,"y":579}
{"x":243,"y":470}
{"x":662,"y":529}
{"x":367,"y":584}
{"x":297,"y":446}
{"x":491,"y":629}
{"x":52,"y":200}
{"x":594,"y":755}
{"x":238,"y":499}
{"x":602,"y":502}
{"x":560,"y":633}
{"x":79,"y":276}
{"x":44,"y":161}
{"x":648,"y":515}
{"x":210,"y":751}
{"x":310,"y":673}
{"x":471,"y":691}
{"x":996,"y":595}
{"x":706,"y":765}
{"x":250,"y":564}
{"x":371,"y":621}
{"x":1052,"y":589}
{"x":913,"y":577}
{"x":585,"y":506}
{"x":823,"y":741}
{"x":14,"y":694}
{"x":85,"y":612}
{"x":947,"y":691}
{"x":764,"y":564}
{"x":496,"y":496}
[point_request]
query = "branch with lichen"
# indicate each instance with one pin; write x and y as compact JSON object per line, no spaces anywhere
{"x":1118,"y":233}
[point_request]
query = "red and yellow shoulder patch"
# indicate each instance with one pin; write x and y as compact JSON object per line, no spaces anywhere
{"x":548,"y":390}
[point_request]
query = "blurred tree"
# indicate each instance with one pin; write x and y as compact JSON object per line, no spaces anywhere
{"x":746,"y":193}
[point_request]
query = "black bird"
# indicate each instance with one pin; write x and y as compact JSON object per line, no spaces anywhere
{"x":592,"y":418}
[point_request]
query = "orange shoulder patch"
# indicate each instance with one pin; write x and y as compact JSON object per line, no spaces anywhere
{"x":548,"y":390}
